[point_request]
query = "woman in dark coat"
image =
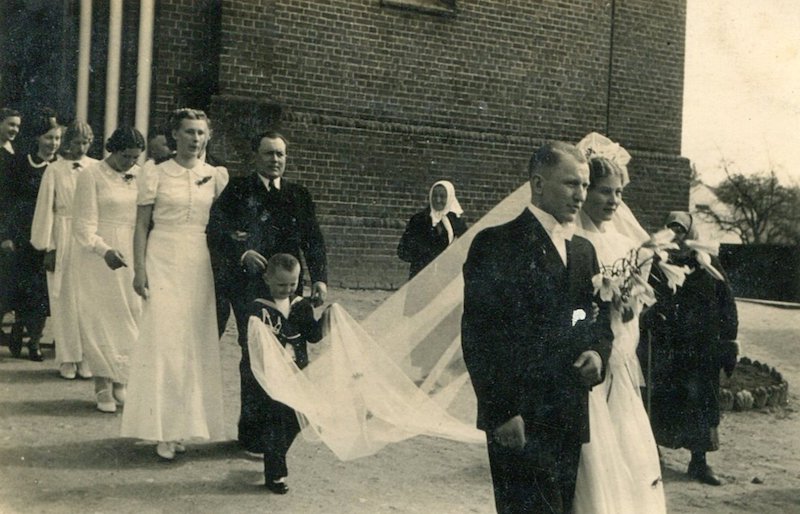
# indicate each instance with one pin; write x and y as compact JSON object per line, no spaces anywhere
{"x":693,"y":338}
{"x":433,"y":229}
{"x":28,"y":293}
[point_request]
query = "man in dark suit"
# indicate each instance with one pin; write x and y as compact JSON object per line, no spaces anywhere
{"x":255,"y":218}
{"x":535,"y":339}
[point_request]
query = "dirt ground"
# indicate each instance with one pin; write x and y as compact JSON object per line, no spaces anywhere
{"x":60,"y":455}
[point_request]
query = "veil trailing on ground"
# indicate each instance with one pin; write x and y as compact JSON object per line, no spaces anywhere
{"x":397,"y":374}
{"x":400,"y":372}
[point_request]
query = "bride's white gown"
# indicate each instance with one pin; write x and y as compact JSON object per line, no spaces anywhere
{"x":619,"y":471}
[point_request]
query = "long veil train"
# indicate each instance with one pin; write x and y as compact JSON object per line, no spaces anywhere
{"x":398,"y":374}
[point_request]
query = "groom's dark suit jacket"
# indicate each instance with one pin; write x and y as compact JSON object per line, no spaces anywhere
{"x":276,"y":221}
{"x":517,"y":335}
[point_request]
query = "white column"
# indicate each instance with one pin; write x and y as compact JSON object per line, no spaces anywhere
{"x":84,"y":52}
{"x":113,"y":68}
{"x":144,"y":67}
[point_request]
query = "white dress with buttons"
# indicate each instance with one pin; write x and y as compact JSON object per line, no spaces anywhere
{"x":175,"y":386}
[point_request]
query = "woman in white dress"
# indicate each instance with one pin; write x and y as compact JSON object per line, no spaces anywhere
{"x":175,"y":386}
{"x":619,"y":470}
{"x":104,"y":216}
{"x":52,"y":232}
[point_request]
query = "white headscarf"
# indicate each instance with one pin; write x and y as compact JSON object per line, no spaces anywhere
{"x":451,"y":205}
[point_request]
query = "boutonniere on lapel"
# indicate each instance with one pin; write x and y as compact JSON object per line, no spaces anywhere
{"x":202,"y":180}
{"x":128,"y":177}
{"x":578,"y":315}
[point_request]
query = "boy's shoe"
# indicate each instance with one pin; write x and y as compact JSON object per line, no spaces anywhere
{"x":277,"y":486}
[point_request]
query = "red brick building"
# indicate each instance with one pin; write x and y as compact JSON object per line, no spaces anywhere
{"x":380,"y":98}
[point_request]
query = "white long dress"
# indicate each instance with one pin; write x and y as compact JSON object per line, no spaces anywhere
{"x":52,"y":230}
{"x":104,"y":217}
{"x":619,"y":470}
{"x":175,"y":386}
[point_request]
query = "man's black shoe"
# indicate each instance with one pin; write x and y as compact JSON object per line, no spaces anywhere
{"x":704,"y":474}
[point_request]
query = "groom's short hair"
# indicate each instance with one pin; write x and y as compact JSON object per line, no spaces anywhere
{"x":550,"y":154}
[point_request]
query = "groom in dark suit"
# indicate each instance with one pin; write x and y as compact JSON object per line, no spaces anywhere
{"x":535,"y":339}
{"x":253,"y":219}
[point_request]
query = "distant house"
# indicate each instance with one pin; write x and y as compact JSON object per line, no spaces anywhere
{"x":702,"y":197}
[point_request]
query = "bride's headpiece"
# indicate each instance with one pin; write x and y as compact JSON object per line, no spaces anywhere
{"x":598,"y":145}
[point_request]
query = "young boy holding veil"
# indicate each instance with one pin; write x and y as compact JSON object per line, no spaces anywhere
{"x":291,"y":319}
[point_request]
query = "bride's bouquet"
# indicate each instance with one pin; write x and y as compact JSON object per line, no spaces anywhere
{"x":625,"y":282}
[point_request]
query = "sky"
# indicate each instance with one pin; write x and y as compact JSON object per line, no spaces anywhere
{"x":742,"y":87}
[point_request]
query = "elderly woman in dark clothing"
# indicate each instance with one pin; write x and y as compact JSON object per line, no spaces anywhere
{"x":693,"y":338}
{"x":430,"y":231}
{"x":28,"y":293}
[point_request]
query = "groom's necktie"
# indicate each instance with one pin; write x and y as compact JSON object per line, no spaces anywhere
{"x":560,"y":234}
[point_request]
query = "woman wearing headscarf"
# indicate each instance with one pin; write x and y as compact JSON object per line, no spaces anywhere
{"x":693,"y":337}
{"x":28,"y":295}
{"x":433,"y":229}
{"x":51,"y":232}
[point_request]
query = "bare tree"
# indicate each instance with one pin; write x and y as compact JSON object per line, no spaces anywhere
{"x":761,"y":209}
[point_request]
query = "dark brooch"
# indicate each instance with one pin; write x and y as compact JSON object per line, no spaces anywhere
{"x":128,"y":177}
{"x":203,"y":180}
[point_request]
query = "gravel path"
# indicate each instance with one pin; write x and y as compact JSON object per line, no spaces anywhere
{"x":59,"y":455}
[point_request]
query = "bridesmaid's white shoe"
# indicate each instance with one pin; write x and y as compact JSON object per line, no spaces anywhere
{"x":105,"y":401}
{"x":68,"y":370}
{"x":165,"y":450}
{"x":118,"y":390}
{"x":83,"y":370}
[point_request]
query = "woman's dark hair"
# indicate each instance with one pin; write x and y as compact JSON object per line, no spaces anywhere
{"x":6,"y":112}
{"x":175,"y":120}
{"x":600,"y":167}
{"x":40,"y":123}
{"x":124,"y":138}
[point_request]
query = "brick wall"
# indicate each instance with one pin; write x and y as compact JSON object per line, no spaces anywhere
{"x":646,"y":101}
{"x":185,"y":55}
{"x":378,"y":102}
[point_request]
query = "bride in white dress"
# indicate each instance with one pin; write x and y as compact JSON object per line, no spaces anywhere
{"x":619,"y":470}
{"x":175,"y":386}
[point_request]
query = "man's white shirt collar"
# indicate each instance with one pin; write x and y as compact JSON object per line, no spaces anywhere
{"x":559,"y":232}
{"x":276,"y":182}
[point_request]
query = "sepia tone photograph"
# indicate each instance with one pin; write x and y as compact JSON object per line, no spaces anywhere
{"x":399,"y":256}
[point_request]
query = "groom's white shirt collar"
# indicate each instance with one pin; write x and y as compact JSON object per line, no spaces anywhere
{"x":559,"y":233}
